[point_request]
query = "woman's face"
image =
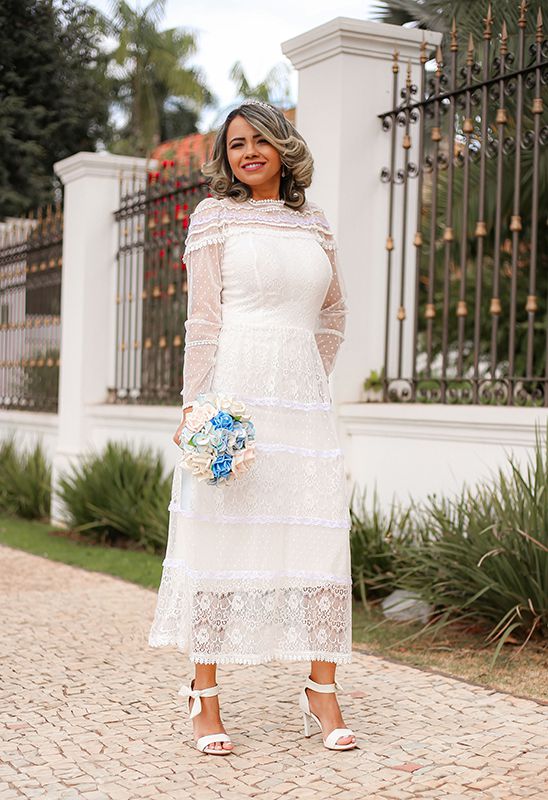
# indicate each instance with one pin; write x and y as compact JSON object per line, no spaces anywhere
{"x":252,"y":158}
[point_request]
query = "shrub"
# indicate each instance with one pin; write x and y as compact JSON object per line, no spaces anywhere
{"x":484,"y":554}
{"x":25,"y":481}
{"x":119,"y":497}
{"x":377,"y":542}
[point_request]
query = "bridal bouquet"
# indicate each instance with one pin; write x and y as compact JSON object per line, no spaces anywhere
{"x":217,"y":439}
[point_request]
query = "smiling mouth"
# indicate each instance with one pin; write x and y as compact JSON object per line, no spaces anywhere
{"x":253,"y":167}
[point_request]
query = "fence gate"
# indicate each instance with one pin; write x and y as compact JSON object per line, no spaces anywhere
{"x":468,"y":191}
{"x":151,"y":299}
{"x":30,"y":310}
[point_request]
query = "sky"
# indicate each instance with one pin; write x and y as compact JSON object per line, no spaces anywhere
{"x":249,"y":31}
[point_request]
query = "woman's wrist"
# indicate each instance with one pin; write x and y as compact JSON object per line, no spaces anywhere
{"x":185,"y":408}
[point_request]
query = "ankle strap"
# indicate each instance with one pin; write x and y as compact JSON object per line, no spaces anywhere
{"x":323,"y":687}
{"x":188,"y":691}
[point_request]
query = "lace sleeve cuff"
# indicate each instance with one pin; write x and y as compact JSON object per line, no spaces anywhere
{"x":202,"y":256}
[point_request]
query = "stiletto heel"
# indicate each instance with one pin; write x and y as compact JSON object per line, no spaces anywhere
{"x":306,"y":723}
{"x":203,"y":742}
{"x":330,"y":740}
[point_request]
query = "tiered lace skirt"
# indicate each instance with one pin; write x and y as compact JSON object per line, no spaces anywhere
{"x":260,"y":569}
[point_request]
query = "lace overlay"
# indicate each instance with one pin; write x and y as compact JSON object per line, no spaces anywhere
{"x":260,"y":569}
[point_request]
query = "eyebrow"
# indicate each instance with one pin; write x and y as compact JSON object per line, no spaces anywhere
{"x":234,"y":138}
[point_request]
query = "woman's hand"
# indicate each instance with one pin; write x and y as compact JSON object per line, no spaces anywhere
{"x":177,"y":433}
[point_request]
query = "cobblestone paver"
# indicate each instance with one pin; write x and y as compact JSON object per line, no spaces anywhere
{"x":90,"y":712}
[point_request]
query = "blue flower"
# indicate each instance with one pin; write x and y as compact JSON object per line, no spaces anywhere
{"x":223,"y":420}
{"x":222,"y":466}
{"x":218,"y":439}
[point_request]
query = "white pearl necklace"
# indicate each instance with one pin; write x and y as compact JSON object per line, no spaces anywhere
{"x":272,"y":201}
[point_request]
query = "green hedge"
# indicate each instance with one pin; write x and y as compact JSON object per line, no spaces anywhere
{"x":119,"y":496}
{"x":25,"y":481}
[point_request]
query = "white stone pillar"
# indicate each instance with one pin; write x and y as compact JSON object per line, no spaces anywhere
{"x":88,"y":292}
{"x":345,"y":81}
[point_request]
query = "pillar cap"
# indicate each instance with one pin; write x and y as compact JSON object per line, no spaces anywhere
{"x":356,"y":37}
{"x":99,"y":165}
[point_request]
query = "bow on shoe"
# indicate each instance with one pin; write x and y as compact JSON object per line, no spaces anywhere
{"x":197,"y":694}
{"x":186,"y":691}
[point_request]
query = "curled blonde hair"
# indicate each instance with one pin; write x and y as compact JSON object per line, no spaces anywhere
{"x":281,"y":134}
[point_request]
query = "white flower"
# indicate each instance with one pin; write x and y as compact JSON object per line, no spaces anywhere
{"x":199,"y":416}
{"x":242,"y":460}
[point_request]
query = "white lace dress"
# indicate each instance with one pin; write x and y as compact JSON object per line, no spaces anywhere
{"x":260,"y":569}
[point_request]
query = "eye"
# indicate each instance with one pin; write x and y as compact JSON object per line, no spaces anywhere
{"x":237,"y":144}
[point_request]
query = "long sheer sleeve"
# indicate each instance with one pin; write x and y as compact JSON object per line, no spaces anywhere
{"x":331,"y":324}
{"x":203,"y":256}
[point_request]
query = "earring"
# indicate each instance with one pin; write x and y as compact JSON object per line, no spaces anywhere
{"x":283,"y":171}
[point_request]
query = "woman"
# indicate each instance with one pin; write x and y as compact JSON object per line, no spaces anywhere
{"x":260,"y":569}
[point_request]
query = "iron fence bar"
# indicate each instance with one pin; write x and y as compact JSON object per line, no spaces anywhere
{"x":536,"y":109}
{"x":125,"y":312}
{"x":467,"y":129}
{"x":138,"y":234}
{"x":390,"y":240}
{"x":418,"y":234}
{"x":156,"y":293}
{"x":448,"y":230}
{"x":406,"y":144}
{"x":481,"y":227}
{"x":495,"y":308}
{"x":118,"y":365}
{"x":128,"y":285}
{"x":516,"y":222}
{"x":430,"y":309}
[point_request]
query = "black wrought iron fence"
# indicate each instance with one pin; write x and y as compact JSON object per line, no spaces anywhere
{"x":468,"y":189}
{"x":151,"y":299}
{"x":30,"y":310}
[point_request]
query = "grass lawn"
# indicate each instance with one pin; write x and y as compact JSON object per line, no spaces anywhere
{"x":458,"y":652}
{"x":45,"y":540}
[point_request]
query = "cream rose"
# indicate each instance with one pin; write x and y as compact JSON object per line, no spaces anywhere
{"x":198,"y":417}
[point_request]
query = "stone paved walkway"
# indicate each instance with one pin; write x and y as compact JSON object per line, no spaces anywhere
{"x":90,"y":712}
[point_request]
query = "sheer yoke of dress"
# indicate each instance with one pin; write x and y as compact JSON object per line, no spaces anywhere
{"x":260,"y":569}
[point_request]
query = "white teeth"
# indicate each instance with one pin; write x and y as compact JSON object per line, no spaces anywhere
{"x":247,"y":166}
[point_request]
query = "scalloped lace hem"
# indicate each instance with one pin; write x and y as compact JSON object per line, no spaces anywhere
{"x":237,"y":658}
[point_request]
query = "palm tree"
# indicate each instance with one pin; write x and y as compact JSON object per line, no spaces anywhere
{"x":436,"y":15}
{"x":150,"y":77}
{"x":274,"y":89}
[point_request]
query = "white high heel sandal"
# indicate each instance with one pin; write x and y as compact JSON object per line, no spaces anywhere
{"x":330,"y":740}
{"x":203,"y":742}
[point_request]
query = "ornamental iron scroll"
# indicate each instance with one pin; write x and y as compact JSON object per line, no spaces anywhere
{"x":467,"y":186}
